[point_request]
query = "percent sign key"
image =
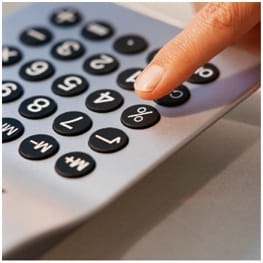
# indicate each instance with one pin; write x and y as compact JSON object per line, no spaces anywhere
{"x":140,"y":116}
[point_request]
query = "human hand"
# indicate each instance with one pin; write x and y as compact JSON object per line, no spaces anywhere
{"x":215,"y":27}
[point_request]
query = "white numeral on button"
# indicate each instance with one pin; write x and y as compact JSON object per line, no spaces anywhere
{"x":37,"y":68}
{"x":7,"y":89}
{"x":204,"y":72}
{"x":38,"y":104}
{"x":67,"y":48}
{"x":66,"y":123}
{"x":104,"y":97}
{"x":101,"y":62}
{"x":78,"y":163}
{"x":133,"y":77}
{"x":70,"y":83}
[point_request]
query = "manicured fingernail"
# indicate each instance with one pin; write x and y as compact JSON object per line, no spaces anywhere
{"x":149,"y":79}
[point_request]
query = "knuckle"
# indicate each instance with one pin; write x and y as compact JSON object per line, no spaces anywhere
{"x":221,"y":16}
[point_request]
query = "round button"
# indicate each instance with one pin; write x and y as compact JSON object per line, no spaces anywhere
{"x":70,"y":85}
{"x":65,"y":17}
{"x":37,"y":70}
{"x":205,"y":74}
{"x":130,"y":44}
{"x":75,"y":164}
{"x":10,"y":55}
{"x":101,"y":64}
{"x":37,"y":107}
{"x":127,"y":78}
{"x":105,"y":100}
{"x":11,"y":91}
{"x":36,"y":36}
{"x":140,"y":116}
{"x":38,"y":147}
{"x":72,"y":123}
{"x":177,"y":97}
{"x":11,"y":129}
{"x":97,"y":30}
{"x":68,"y":49}
{"x":108,"y":140}
{"x":152,"y":55}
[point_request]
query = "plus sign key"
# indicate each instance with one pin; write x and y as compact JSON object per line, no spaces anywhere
{"x":10,"y":55}
{"x":140,"y":116}
{"x":74,"y":164}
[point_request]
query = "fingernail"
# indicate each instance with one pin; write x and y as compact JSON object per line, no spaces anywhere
{"x":147,"y":81}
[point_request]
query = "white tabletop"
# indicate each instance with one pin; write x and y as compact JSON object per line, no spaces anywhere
{"x":202,"y":203}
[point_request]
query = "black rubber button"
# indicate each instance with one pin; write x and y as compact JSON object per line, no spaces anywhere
{"x":65,"y":17}
{"x":37,"y":107}
{"x":177,"y":97}
{"x":10,"y":55}
{"x":36,"y":36}
{"x":130,"y":44}
{"x":75,"y":164}
{"x":11,"y":91}
{"x":97,"y":30}
{"x":37,"y":70}
{"x":205,"y":74}
{"x":101,"y":64}
{"x":68,"y":49}
{"x":11,"y":129}
{"x":72,"y":123}
{"x":108,"y":140}
{"x":70,"y":85}
{"x":151,"y":55}
{"x":38,"y":147}
{"x":105,"y":100}
{"x":127,"y":78}
{"x":140,"y":116}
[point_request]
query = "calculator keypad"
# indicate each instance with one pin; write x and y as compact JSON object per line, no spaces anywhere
{"x":97,"y":30}
{"x":152,"y":55}
{"x":177,"y":97}
{"x":38,"y":147}
{"x":37,"y":107}
{"x":11,"y":91}
{"x":140,"y":116}
{"x":37,"y":70}
{"x":68,"y":49}
{"x":36,"y":36}
{"x":72,"y":123}
{"x":74,"y":165}
{"x":11,"y":129}
{"x":108,"y":140}
{"x":10,"y":55}
{"x":127,"y":78}
{"x":130,"y":44}
{"x":101,"y":64}
{"x":205,"y":74}
{"x":65,"y":17}
{"x":70,"y":85}
{"x":104,"y":99}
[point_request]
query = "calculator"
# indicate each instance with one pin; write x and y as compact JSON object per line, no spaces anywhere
{"x":75,"y":135}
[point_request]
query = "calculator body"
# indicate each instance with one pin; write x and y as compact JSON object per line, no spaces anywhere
{"x":37,"y":202}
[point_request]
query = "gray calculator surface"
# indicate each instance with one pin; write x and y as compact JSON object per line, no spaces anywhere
{"x":75,"y":135}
